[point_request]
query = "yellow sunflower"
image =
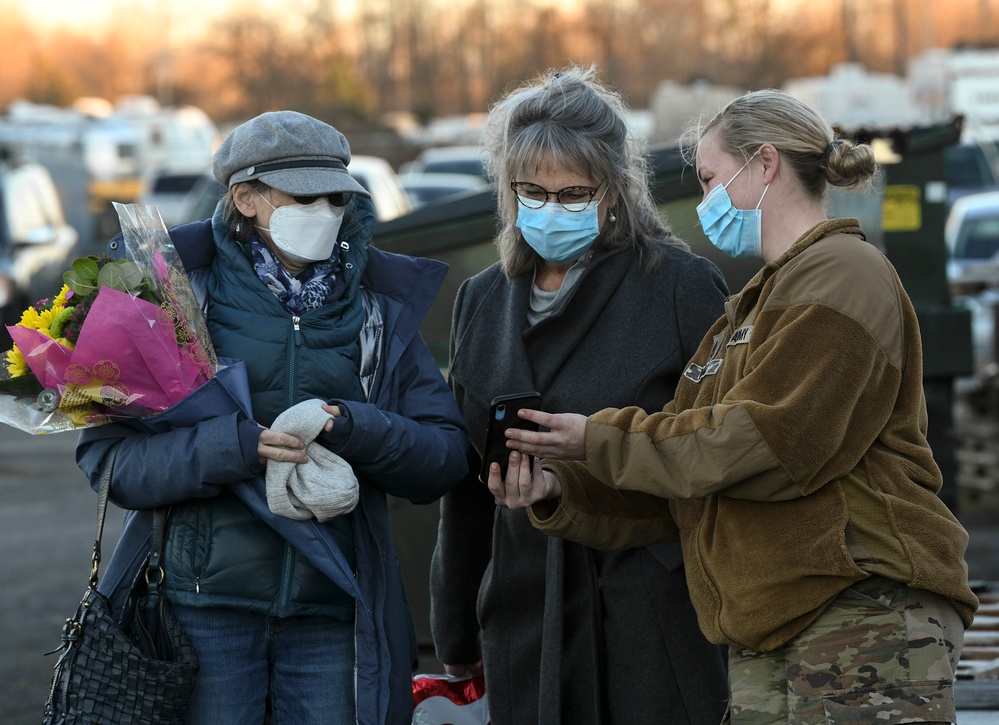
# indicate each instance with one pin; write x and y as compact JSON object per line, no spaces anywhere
{"x":60,"y":300}
{"x":30,"y":319}
{"x":16,"y":364}
{"x":45,"y":319}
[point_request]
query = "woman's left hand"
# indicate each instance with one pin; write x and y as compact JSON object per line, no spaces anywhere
{"x":524,"y":484}
{"x":333,"y":410}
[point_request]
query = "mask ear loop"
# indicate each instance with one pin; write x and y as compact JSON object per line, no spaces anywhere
{"x":748,"y":162}
{"x":765,"y":190}
{"x":266,"y":200}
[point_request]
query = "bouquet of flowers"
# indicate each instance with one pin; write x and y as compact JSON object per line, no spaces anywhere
{"x":123,"y":338}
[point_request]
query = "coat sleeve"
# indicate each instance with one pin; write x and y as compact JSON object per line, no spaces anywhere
{"x":601,"y":517}
{"x":159,"y":469}
{"x":416,"y":451}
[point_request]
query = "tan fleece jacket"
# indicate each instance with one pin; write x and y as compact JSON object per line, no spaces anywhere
{"x":793,"y":457}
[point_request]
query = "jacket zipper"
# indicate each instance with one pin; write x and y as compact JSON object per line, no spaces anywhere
{"x":289,"y":552}
{"x":296,"y":335}
{"x":284,"y":595}
{"x":286,"y":572}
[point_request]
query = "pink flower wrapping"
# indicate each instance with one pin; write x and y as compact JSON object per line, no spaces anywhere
{"x":132,"y":358}
{"x":127,"y":359}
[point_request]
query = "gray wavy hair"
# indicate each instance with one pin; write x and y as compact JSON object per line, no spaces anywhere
{"x":567,"y":117}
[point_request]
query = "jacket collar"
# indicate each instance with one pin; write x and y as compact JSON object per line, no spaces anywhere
{"x":738,"y":306}
{"x":495,"y":352}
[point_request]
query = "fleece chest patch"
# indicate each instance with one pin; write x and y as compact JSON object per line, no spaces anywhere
{"x":740,"y":336}
{"x":697,"y":372}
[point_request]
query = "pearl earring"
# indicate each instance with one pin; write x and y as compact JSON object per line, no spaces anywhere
{"x":610,"y":217}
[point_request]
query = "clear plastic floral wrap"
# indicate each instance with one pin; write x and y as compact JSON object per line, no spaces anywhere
{"x":124,"y":338}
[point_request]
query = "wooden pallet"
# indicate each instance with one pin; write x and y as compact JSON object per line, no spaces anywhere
{"x":976,"y":687}
{"x":980,"y":656}
{"x":977,"y":456}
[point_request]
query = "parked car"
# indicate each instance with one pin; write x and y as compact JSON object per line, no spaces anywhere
{"x":175,"y":194}
{"x":972,"y":237}
{"x":207,"y":194}
{"x":425,"y":188}
{"x":36,"y":243}
{"x":377,"y":176}
{"x":447,"y":160}
{"x":971,"y":168}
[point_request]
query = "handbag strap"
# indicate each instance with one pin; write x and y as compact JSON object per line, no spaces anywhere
{"x":154,"y":569}
{"x":159,"y":525}
{"x":102,"y":507}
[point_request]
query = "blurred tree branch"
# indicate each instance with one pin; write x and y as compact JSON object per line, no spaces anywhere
{"x":441,"y":57}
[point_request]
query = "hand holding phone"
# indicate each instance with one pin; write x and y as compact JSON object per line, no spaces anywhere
{"x":503,"y":415}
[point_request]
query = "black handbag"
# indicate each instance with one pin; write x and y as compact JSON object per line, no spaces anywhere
{"x":140,"y":670}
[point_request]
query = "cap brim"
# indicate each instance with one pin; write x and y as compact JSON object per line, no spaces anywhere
{"x":312,"y":182}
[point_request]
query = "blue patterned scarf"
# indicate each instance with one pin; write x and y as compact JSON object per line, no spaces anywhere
{"x":318,"y":284}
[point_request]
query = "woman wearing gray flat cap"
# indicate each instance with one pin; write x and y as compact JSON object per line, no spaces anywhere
{"x":297,"y":608}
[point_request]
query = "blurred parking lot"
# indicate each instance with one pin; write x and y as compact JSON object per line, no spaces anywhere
{"x":48,"y":518}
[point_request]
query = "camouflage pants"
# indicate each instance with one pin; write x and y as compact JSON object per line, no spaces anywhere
{"x":881,"y":653}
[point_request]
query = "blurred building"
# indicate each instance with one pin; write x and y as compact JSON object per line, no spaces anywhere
{"x":963,"y":81}
{"x":851,"y":97}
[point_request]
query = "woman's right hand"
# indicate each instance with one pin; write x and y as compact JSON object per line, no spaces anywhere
{"x":277,"y":446}
{"x":464,"y":670}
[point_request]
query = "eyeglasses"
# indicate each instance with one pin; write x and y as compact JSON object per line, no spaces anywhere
{"x":571,"y":198}
{"x":339,"y":199}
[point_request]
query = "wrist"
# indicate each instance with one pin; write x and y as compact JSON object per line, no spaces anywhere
{"x":553,"y":486}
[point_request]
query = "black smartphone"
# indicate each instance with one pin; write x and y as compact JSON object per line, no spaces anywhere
{"x":503,"y":415}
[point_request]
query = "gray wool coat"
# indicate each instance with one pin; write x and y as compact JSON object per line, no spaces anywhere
{"x":612,"y":633}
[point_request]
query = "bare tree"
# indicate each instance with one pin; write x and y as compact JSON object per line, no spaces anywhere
{"x":850,"y":30}
{"x":440,"y":57}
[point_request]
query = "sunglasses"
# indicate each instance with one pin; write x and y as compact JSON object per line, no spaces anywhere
{"x":341,"y":198}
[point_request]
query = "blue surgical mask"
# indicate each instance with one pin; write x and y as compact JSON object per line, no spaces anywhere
{"x":737,"y":232}
{"x":560,"y":236}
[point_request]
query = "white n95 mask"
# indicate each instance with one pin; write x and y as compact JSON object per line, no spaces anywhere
{"x":305,"y":232}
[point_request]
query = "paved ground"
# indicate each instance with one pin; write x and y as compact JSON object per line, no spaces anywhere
{"x":47,"y":519}
{"x":47,"y":526}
